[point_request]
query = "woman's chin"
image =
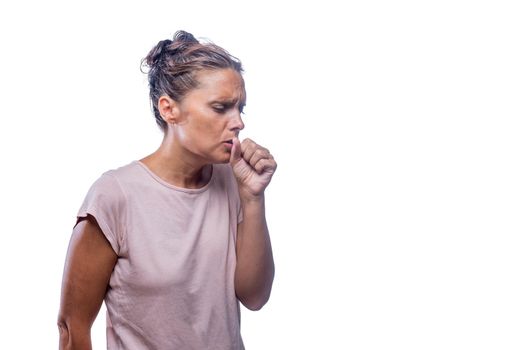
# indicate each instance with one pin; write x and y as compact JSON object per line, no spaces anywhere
{"x":221,"y":159}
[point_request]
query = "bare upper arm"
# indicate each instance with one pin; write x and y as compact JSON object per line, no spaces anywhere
{"x":89,"y":263}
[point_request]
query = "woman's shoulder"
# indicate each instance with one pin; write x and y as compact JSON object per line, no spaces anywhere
{"x":124,"y":170}
{"x":111,"y":182}
{"x":124,"y":173}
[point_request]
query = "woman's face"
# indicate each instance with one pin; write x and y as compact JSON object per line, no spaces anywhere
{"x":209,"y":116}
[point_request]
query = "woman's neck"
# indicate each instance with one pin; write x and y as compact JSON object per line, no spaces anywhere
{"x":173,"y":165}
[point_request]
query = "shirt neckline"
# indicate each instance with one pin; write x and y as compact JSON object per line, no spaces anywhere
{"x":177,"y":188}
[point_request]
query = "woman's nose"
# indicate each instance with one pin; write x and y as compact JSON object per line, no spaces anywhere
{"x":236,"y":122}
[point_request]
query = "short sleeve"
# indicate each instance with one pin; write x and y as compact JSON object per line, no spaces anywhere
{"x":105,"y":201}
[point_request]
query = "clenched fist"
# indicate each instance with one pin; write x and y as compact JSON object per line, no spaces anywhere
{"x":252,"y":165}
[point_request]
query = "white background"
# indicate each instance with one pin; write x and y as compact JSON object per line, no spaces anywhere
{"x":396,"y":214}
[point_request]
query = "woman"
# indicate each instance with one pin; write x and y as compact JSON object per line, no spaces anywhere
{"x":174,"y":241}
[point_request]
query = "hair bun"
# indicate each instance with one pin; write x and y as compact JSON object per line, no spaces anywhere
{"x":157,"y":52}
{"x":182,"y":36}
{"x":181,"y":41}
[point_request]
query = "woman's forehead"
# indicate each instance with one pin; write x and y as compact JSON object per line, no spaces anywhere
{"x":222,"y":83}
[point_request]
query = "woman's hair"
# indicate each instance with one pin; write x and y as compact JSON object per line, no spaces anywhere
{"x":173,"y":64}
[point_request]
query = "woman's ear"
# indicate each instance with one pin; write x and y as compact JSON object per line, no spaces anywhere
{"x":169,"y":109}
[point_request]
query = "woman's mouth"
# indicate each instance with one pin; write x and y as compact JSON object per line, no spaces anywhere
{"x":228,"y":144}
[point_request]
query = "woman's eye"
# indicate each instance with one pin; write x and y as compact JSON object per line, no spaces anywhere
{"x":219,"y":108}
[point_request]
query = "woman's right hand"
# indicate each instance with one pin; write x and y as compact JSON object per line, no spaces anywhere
{"x":88,"y":267}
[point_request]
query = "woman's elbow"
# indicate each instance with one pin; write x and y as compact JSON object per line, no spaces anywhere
{"x":64,"y":333}
{"x":254,"y":306}
{"x":73,"y":334}
{"x":255,"y":302}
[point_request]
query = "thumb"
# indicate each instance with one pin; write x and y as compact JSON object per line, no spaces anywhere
{"x":236,"y":152}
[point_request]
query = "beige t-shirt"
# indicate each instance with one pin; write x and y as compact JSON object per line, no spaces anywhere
{"x":173,"y":283}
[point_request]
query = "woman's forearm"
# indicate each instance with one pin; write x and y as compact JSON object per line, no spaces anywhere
{"x":255,"y":267}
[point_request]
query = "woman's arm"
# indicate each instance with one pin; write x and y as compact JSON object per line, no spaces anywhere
{"x":253,"y":167}
{"x":88,"y":267}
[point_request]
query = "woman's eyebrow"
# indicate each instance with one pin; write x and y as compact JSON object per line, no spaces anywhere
{"x":228,"y":101}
